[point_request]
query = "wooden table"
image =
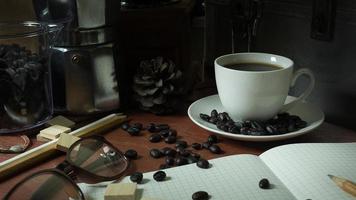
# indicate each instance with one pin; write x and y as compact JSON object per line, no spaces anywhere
{"x":189,"y":132}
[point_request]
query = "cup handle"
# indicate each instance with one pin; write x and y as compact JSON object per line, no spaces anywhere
{"x":306,"y":93}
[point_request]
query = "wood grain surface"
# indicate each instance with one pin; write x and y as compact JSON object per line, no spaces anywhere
{"x":187,"y":131}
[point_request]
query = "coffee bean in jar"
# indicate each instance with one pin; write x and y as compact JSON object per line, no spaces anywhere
{"x":25,"y":89}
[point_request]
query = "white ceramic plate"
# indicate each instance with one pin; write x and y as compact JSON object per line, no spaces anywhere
{"x":313,"y":115}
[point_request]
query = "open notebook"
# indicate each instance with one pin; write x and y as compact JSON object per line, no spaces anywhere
{"x":296,"y":171}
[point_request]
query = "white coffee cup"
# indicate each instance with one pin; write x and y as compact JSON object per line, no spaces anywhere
{"x":257,"y":95}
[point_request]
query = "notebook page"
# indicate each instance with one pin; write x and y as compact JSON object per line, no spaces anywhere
{"x":303,"y":168}
{"x":229,"y":178}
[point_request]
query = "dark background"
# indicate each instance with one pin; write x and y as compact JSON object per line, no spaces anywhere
{"x":194,"y":40}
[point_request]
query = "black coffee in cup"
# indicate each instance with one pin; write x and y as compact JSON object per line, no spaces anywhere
{"x":253,"y":67}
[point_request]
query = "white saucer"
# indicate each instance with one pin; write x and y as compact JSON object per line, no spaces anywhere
{"x":313,"y":115}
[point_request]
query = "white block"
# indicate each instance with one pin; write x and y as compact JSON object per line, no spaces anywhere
{"x":121,"y":191}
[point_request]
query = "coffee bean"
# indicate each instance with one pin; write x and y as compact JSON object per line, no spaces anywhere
{"x":138,"y":126}
{"x":212,"y":139}
{"x":170,"y":139}
{"x":151,"y":127}
{"x":155,"y":153}
{"x":131,"y":154}
{"x":272,"y":129}
{"x":200,"y":195}
{"x":301,"y":124}
{"x":136,"y":177}
{"x":256,"y":132}
{"x":203,"y":164}
{"x":155,"y":137}
{"x":206,"y":145}
{"x":196,"y":146}
{"x":204,"y":117}
{"x":213,"y":120}
{"x":195,"y":155}
{"x":245,"y":130}
{"x":170,"y":152}
{"x":223,"y":128}
{"x":184,"y":153}
{"x":182,"y":143}
{"x":159,"y":176}
{"x":172,"y":132}
{"x":264,"y":184}
{"x":164,"y":133}
{"x":214,"y":113}
{"x":234,"y":129}
{"x":161,"y":127}
{"x":169,"y":160}
{"x":181,"y":161}
{"x":191,"y":159}
{"x":257,"y":125}
{"x":292,"y":127}
{"x":133,"y":131}
{"x":125,"y":126}
{"x":215,"y":149}
{"x":163,"y":150}
{"x":180,"y":149}
{"x":222,"y":117}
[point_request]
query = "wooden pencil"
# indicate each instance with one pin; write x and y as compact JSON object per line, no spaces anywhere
{"x":344,"y":184}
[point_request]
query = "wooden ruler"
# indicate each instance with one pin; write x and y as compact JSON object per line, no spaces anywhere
{"x":33,"y":156}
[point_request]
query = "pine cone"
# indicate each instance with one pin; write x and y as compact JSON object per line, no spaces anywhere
{"x":157,"y":85}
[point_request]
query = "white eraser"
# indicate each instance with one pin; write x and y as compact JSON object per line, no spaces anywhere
{"x":65,"y":141}
{"x":121,"y":191}
{"x":62,"y":121}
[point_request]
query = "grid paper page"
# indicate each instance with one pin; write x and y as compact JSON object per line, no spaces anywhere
{"x":229,"y":178}
{"x":303,"y":168}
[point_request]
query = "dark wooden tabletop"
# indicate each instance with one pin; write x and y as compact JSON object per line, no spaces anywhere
{"x":189,"y":132}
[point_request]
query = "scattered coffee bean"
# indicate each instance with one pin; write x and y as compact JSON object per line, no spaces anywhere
{"x":133,"y":131}
{"x":184,"y":153}
{"x":215,"y":149}
{"x":170,"y":152}
{"x":170,"y":139}
{"x":264,"y":184}
{"x":212,"y":139}
{"x":169,"y":160}
{"x":196,"y":146}
{"x":179,"y":149}
{"x":181,"y":143}
{"x":200,"y":195}
{"x":206,"y":145}
{"x":195,"y":155}
{"x":155,"y":153}
{"x":163,"y":150}
{"x":181,"y":161}
{"x":192,"y":159}
{"x":202,"y":163}
{"x":172,"y":132}
{"x":164,"y":133}
{"x":138,"y":126}
{"x":131,"y":154}
{"x":159,"y":176}
{"x":161,"y":127}
{"x":155,"y":137}
{"x":136,"y":177}
{"x":125,"y":126}
{"x":151,"y":127}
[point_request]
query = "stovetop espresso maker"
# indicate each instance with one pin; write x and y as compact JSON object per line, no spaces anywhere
{"x":84,"y":75}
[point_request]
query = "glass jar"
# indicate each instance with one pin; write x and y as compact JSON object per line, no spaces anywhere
{"x":25,"y":82}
